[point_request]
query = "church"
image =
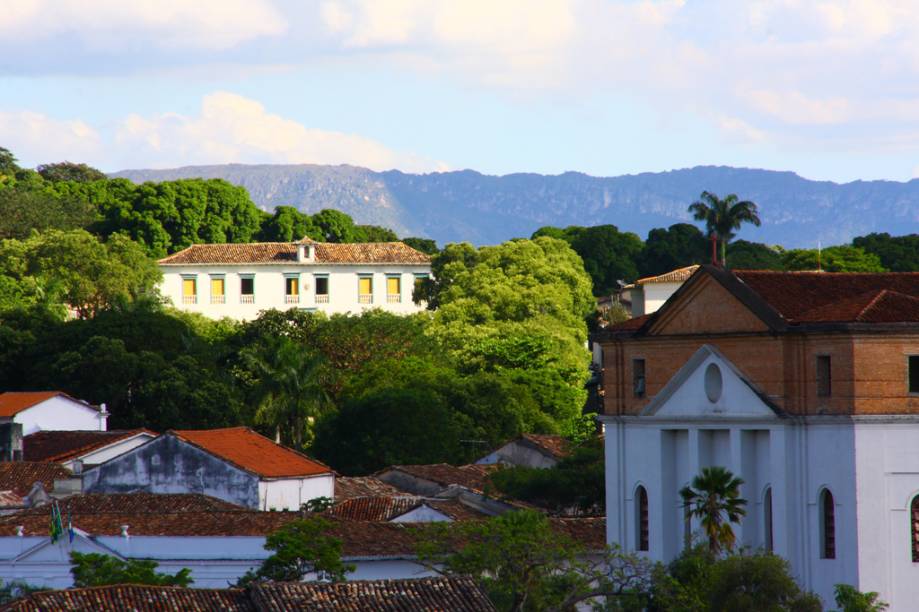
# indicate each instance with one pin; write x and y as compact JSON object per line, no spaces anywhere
{"x":804,"y":384}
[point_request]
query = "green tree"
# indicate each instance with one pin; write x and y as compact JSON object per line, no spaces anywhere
{"x":93,"y":569}
{"x":832,"y":259}
{"x":677,"y":246}
{"x":850,"y":599}
{"x":723,"y":217}
{"x":525,"y":564}
{"x":746,"y":255}
{"x":714,"y":498}
{"x":897,"y":253}
{"x":301,"y":548}
{"x":425,"y":245}
{"x":8,"y":165}
{"x":288,"y":224}
{"x":23,"y":211}
{"x":762,"y":581}
{"x":374,"y":233}
{"x":576,"y":482}
{"x":69,"y":171}
{"x":608,"y":254}
{"x":289,"y":391}
{"x":335,"y":226}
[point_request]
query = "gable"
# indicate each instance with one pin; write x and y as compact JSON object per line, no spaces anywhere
{"x":704,"y":306}
{"x":422,"y":513}
{"x":709,"y":386}
{"x":48,"y":552}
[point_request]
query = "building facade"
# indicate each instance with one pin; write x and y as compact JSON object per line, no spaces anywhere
{"x":806,"y":385}
{"x":45,"y":410}
{"x":240,"y":280}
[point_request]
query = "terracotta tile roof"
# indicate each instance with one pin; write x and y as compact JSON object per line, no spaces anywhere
{"x":141,"y":503}
{"x":14,"y":402}
{"x":387,"y":508}
{"x":65,"y":445}
{"x":557,"y":446}
{"x":20,"y":476}
{"x":473,"y":477}
{"x":136,"y":598}
{"x":347,"y":487}
{"x":632,"y":324}
{"x":408,"y":595}
{"x":286,"y":252}
{"x":812,"y":297}
{"x":674,"y":276}
{"x":9,"y":500}
{"x":253,"y":452}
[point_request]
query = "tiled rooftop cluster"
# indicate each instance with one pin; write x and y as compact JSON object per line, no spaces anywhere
{"x":66,"y":445}
{"x":286,"y":253}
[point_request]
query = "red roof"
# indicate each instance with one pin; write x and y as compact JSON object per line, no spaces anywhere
{"x":286,"y":253}
{"x":828,"y":297}
{"x":21,"y":476}
{"x":65,"y":445}
{"x":14,"y":402}
{"x":557,"y":446}
{"x":253,"y":452}
{"x":347,"y":487}
{"x":138,"y":598}
{"x":387,"y":508}
{"x":472,"y":477}
{"x":140,"y":503}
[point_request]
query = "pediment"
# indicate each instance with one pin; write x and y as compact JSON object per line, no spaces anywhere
{"x":709,"y":386}
{"x":50,"y":552}
{"x":705,"y":306}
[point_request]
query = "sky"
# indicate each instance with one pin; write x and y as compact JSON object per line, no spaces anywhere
{"x":827,"y":89}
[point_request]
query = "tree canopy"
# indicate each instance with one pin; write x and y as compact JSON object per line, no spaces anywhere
{"x":94,"y":569}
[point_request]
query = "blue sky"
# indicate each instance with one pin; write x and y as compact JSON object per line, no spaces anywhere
{"x":824,"y":88}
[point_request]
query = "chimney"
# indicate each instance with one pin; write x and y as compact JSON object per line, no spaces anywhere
{"x":10,"y":441}
{"x":305,"y":252}
{"x":103,"y":417}
{"x":124,"y":531}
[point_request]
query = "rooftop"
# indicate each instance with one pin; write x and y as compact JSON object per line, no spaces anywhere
{"x":286,"y":253}
{"x":387,"y":508}
{"x":140,"y":504}
{"x":347,"y":487}
{"x":674,"y":276}
{"x":66,"y":445}
{"x":20,"y":476}
{"x":136,"y":598}
{"x":557,"y":446}
{"x":407,"y":595}
{"x":253,"y":452}
{"x":473,"y":477}
{"x":14,"y":402}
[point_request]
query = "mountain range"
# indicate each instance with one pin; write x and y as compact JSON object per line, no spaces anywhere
{"x":483,"y":209}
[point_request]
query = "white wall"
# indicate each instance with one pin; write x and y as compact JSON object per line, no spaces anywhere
{"x":270,"y":288}
{"x":422,"y":514}
{"x":60,"y":413}
{"x":291,"y":493}
{"x":655,"y":294}
{"x":111,"y":451}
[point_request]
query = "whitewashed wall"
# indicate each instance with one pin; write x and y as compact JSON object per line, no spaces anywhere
{"x":60,"y":413}
{"x":291,"y":493}
{"x":270,"y":288}
{"x":655,"y":294}
{"x":112,"y":450}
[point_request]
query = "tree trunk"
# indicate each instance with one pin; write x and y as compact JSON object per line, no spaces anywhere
{"x":724,"y":253}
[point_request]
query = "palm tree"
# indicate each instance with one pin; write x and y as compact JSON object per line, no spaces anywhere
{"x":723,"y":217}
{"x":289,"y":392}
{"x":713,"y":497}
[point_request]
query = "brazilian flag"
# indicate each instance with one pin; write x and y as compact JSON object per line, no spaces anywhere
{"x":57,"y":524}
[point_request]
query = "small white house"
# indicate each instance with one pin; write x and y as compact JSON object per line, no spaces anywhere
{"x":234,"y":464}
{"x":529,"y":450}
{"x":77,"y":449}
{"x":42,"y":410}
{"x":240,"y":280}
{"x":648,"y":294}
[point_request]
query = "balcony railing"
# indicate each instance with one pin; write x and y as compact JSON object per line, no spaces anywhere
{"x":322,"y":298}
{"x":189,"y":299}
{"x":291,"y":299}
{"x":247,"y":298}
{"x":393,"y":298}
{"x":218,"y":299}
{"x":365,"y":298}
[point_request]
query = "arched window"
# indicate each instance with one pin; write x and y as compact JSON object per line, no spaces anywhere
{"x":828,"y":525}
{"x":641,"y":518}
{"x":914,"y":527}
{"x":767,"y":519}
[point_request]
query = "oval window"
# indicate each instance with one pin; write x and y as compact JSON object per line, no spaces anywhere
{"x":713,"y":382}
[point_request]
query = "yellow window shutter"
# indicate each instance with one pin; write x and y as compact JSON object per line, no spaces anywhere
{"x":393,"y":285}
{"x":216,"y":286}
{"x":365,"y":285}
{"x":293,"y":286}
{"x":188,"y":286}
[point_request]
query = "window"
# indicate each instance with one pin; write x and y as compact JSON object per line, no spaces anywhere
{"x":914,"y":527}
{"x":828,"y":525}
{"x":322,"y":289}
{"x":913,"y":367}
{"x":767,"y":520}
{"x":638,"y":377}
{"x":217,"y":290}
{"x":189,"y":290}
{"x":365,"y":290}
{"x":291,"y":289}
{"x":393,"y":289}
{"x":824,"y":380}
{"x":420,"y":280}
{"x":641,"y":519}
{"x":247,"y":290}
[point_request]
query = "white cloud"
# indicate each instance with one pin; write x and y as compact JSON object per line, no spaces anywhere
{"x":34,"y":136}
{"x":111,"y":24}
{"x":235,"y":129}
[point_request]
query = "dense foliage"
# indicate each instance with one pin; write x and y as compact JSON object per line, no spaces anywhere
{"x":94,"y":569}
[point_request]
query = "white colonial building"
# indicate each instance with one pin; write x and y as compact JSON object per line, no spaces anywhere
{"x":240,"y":280}
{"x":806,"y":385}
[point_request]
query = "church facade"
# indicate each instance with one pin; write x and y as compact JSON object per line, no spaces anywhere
{"x":806,"y":385}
